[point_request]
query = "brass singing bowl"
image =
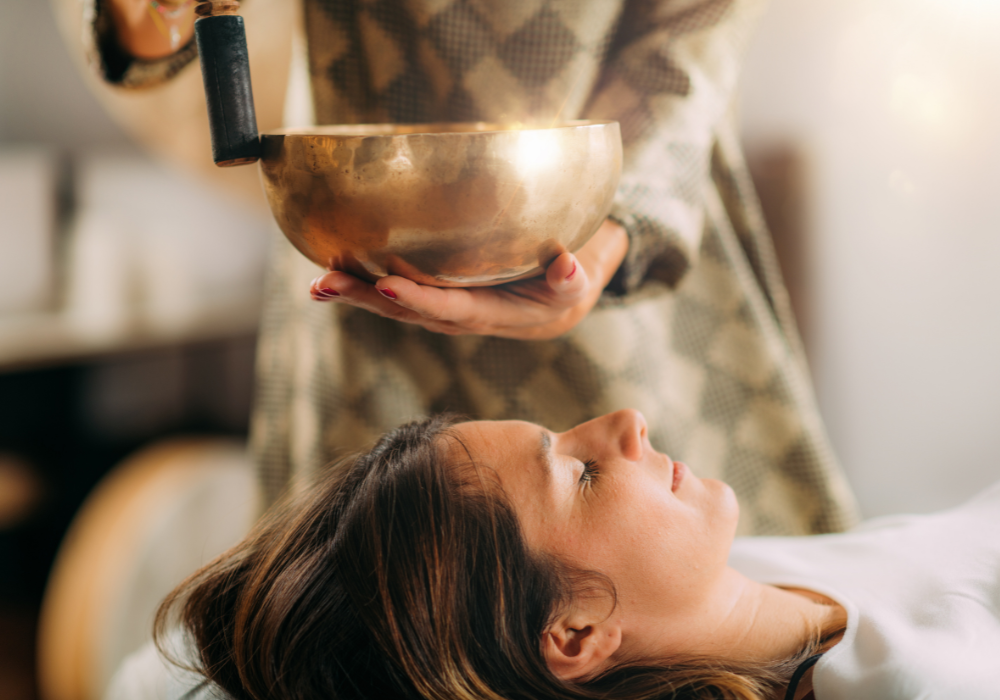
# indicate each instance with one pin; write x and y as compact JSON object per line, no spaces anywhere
{"x":450,"y":205}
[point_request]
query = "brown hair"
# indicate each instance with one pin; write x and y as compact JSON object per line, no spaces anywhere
{"x":391,"y":578}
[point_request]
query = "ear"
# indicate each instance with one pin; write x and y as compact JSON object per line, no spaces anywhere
{"x":575,"y":647}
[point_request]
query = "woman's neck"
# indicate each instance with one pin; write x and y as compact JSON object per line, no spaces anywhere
{"x":772,"y":623}
{"x":749,"y":621}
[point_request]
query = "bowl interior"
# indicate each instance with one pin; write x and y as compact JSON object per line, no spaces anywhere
{"x":442,"y":128}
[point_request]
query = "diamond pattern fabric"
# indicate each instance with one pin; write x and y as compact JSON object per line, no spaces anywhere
{"x":539,"y":50}
{"x":695,"y":330}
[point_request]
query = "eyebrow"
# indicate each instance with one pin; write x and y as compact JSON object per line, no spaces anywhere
{"x":544,"y":453}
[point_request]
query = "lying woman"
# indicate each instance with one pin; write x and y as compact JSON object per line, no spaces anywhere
{"x":499,"y":560}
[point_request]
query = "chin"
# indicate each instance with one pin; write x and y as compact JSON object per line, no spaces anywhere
{"x":726,"y":506}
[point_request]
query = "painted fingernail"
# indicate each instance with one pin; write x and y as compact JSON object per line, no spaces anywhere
{"x":386,"y":292}
{"x":572,"y":272}
{"x":325,"y":294}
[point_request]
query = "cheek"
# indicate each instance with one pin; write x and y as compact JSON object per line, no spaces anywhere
{"x":610,"y":534}
{"x":683,"y":544}
{"x":648,"y":542}
{"x":642,"y":536}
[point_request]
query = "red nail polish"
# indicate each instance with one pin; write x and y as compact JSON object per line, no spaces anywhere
{"x":386,"y":292}
{"x":571,"y":272}
{"x":329,"y":292}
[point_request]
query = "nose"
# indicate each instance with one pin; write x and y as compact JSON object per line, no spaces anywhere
{"x":628,"y":426}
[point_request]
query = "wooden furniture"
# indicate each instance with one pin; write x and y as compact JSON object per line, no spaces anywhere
{"x":152,"y":521}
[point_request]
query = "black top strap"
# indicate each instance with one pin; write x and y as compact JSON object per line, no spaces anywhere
{"x":799,"y":672}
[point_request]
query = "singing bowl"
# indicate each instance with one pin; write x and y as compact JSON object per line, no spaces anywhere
{"x":450,"y":205}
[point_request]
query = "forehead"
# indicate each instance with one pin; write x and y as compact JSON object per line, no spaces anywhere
{"x":512,"y":450}
{"x":518,"y":457}
{"x":493,"y":442}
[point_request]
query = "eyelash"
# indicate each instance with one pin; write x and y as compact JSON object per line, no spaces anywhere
{"x":591,"y":470}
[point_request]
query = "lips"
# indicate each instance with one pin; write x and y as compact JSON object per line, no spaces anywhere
{"x":680,"y":471}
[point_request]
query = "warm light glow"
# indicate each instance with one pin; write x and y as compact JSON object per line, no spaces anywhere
{"x":924,"y":100}
{"x":970,"y":4}
{"x":960,"y":9}
{"x":901,"y":184}
{"x":401,"y":161}
{"x":965,"y":13}
{"x":536,"y":150}
{"x":921,"y":67}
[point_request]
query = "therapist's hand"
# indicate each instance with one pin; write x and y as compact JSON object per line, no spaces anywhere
{"x":533,"y":309}
{"x":143,"y":36}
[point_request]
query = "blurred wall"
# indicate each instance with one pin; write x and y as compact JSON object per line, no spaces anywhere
{"x":897,"y":106}
{"x":42,"y":98}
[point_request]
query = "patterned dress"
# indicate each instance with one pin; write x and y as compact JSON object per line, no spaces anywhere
{"x":695,"y":329}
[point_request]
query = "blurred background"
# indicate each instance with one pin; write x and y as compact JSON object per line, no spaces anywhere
{"x":129,"y":288}
{"x":893,"y":107}
{"x":129,"y":296}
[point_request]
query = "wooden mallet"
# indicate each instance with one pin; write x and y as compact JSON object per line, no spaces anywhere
{"x":225,"y":68}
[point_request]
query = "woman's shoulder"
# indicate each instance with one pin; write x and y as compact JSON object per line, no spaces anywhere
{"x":910,"y":663}
{"x":146,"y":675}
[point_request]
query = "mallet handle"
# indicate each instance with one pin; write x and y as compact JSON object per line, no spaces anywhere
{"x":225,"y":68}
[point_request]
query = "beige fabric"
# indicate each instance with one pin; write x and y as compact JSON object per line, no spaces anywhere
{"x":702,"y":342}
{"x":695,"y":330}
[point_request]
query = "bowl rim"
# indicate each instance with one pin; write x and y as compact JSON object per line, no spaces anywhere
{"x":428,"y":129}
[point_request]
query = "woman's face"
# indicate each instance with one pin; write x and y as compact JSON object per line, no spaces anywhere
{"x":599,"y":497}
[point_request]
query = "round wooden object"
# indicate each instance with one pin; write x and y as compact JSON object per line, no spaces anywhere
{"x":153,"y":520}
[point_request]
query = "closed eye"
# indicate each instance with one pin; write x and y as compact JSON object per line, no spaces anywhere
{"x":591,"y":470}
